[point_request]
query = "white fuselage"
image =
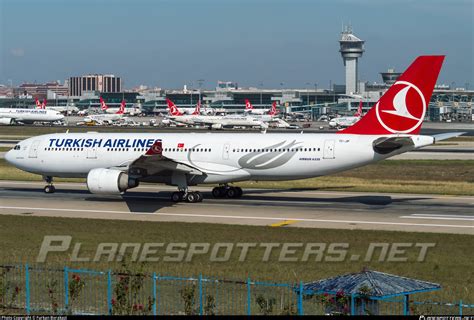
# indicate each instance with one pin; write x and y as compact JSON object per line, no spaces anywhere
{"x":29,"y":115}
{"x":224,"y":121}
{"x":343,"y":122}
{"x":223,"y":157}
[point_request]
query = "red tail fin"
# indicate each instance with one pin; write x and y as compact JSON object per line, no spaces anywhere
{"x":197,"y":111}
{"x":38,"y":104}
{"x":359,"y":110}
{"x":172,"y":108}
{"x":248,"y":105}
{"x":273,"y":110}
{"x":122,"y":108}
{"x":403,"y":107}
{"x":103,"y":106}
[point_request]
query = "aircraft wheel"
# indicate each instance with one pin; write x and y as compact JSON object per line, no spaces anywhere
{"x":231,"y":193}
{"x":176,"y":196}
{"x":200,"y":196}
{"x":49,"y":189}
{"x":218,"y":192}
{"x":191,"y":197}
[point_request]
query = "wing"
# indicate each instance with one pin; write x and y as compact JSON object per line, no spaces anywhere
{"x":153,"y":162}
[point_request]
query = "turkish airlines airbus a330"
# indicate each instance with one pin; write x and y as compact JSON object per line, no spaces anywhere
{"x":116,"y":162}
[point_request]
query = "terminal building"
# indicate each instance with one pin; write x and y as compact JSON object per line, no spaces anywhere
{"x":94,"y":82}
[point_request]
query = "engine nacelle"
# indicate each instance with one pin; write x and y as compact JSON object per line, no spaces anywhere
{"x":107,"y":181}
{"x":217,"y":126}
{"x":6,"y":121}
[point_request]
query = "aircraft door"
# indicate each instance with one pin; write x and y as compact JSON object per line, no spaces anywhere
{"x":33,"y":153}
{"x":225,"y":152}
{"x":92,"y":153}
{"x":328,"y":152}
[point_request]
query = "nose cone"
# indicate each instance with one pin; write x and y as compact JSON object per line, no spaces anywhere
{"x":9,"y":157}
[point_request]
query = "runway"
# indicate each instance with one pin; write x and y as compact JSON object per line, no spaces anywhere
{"x":278,"y":208}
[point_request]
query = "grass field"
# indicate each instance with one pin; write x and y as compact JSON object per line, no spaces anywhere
{"x":451,"y":177}
{"x":448,"y":263}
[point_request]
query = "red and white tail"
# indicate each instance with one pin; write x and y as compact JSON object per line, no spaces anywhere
{"x":273,"y":111}
{"x":248,"y":105}
{"x":103,"y":106}
{"x":403,"y":107}
{"x":197,"y":111}
{"x":359,"y":110}
{"x":38,"y":104}
{"x":172,"y":108}
{"x":121,"y":110}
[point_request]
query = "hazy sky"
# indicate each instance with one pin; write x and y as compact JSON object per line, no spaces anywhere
{"x":173,"y":42}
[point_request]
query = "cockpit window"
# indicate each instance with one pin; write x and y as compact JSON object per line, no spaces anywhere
{"x":17,"y":147}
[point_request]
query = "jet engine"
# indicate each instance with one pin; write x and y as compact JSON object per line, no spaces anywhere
{"x":6,"y":121}
{"x":109,"y":181}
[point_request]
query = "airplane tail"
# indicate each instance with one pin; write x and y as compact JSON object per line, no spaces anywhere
{"x":403,"y":107}
{"x":103,"y":106}
{"x":273,"y":110}
{"x":248,"y":105}
{"x":173,"y":110}
{"x":38,"y":104}
{"x":359,"y":110}
{"x":122,"y":108}
{"x":197,"y":111}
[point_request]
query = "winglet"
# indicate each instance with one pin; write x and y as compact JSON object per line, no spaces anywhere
{"x":156,"y":149}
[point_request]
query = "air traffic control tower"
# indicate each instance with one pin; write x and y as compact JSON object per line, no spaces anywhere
{"x":351,"y":50}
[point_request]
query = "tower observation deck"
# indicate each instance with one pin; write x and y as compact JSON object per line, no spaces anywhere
{"x":351,"y":49}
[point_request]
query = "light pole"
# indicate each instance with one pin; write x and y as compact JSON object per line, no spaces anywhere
{"x":316,"y":93}
{"x":200,"y":82}
{"x":452,"y":88}
{"x":261,"y":91}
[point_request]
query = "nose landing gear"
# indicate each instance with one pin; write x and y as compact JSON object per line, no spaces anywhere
{"x":49,"y":188}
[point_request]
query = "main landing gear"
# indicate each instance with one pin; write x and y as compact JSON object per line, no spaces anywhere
{"x":227,"y":191}
{"x":49,"y":188}
{"x":188,"y":196}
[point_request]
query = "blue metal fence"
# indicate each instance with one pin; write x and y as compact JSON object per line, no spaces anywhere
{"x":65,"y":290}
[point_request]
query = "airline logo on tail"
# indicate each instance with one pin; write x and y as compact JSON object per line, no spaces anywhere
{"x":122,"y":108}
{"x":103,"y":106}
{"x":403,"y":107}
{"x":248,"y":105}
{"x":197,"y":111}
{"x":173,"y":109}
{"x":409,"y":110}
{"x":40,"y":105}
{"x":273,"y":111}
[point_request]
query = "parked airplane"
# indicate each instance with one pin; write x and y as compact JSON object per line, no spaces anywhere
{"x":249,"y":108}
{"x":62,"y":109}
{"x":105,"y":118}
{"x":116,"y":162}
{"x":123,"y":106}
{"x":213,"y":122}
{"x":28,"y":116}
{"x":344,"y":122}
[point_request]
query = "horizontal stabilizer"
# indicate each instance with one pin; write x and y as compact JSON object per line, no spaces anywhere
{"x":448,"y":135}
